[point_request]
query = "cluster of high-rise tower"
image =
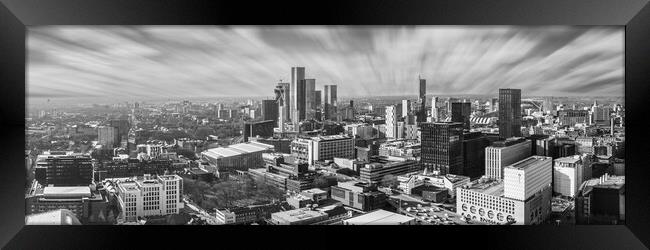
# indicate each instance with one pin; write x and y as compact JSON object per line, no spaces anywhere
{"x":298,"y":100}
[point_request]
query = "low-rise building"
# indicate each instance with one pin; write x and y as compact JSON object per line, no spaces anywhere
{"x":359,"y":195}
{"x":148,"y":195}
{"x":81,"y":201}
{"x":380,"y":217}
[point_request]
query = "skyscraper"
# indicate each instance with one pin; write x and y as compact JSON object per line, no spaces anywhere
{"x":310,"y":96}
{"x":330,"y":101}
{"x":406,"y":107}
{"x":318,"y":101}
{"x":270,"y":111}
{"x":286,"y":104}
{"x":442,"y":147}
{"x":509,"y":113}
{"x":301,"y":98}
{"x":460,"y":112}
{"x":297,"y":75}
{"x":434,"y":108}
{"x":280,"y":96}
{"x":391,"y":122}
{"x":423,"y":88}
{"x":422,"y":113}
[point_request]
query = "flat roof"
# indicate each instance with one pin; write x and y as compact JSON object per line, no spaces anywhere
{"x":528,"y":162}
{"x":330,"y":137}
{"x":379,"y":217}
{"x":67,"y":191}
{"x":569,"y":159}
{"x":56,"y":217}
{"x":237,"y":149}
{"x":492,"y":187}
{"x":298,"y":215}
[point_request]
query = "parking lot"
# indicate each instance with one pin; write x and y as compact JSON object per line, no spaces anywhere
{"x":429,"y":214}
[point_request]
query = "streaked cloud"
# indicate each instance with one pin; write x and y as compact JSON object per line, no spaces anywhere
{"x":202,"y":61}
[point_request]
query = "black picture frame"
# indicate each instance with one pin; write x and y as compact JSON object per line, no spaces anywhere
{"x":17,"y":15}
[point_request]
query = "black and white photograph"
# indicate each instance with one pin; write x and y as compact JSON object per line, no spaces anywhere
{"x":424,"y":125}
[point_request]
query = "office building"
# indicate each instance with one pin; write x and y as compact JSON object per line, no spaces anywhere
{"x":406,"y":108}
{"x":108,"y":136}
{"x":509,"y":113}
{"x":601,"y":201}
{"x":280,"y":145}
{"x":361,"y":131}
{"x":503,"y":153}
{"x":442,"y":148}
{"x":380,"y":217}
{"x":585,"y":145}
{"x":285,"y":105}
{"x":259,"y":128}
{"x":270,"y":111}
{"x":524,"y":200}
{"x":359,"y":195}
{"x":323,"y":148}
{"x":297,"y":93}
{"x":379,"y":167}
{"x":153,"y":150}
{"x":460,"y":112}
{"x":119,"y":168}
{"x":421,"y":114}
{"x":526,"y":177}
{"x":148,"y":196}
{"x":391,"y":122}
{"x":573,"y":117}
{"x":330,"y":102}
{"x":318,"y":100}
{"x":310,"y":102}
{"x":435,"y":113}
{"x":240,"y":156}
{"x":568,"y":175}
{"x":64,"y":169}
{"x":474,"y":144}
{"x":83,"y":202}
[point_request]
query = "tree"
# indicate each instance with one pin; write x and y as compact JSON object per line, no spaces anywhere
{"x":389,"y":180}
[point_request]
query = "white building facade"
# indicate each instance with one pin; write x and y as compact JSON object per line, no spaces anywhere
{"x":497,"y":157}
{"x":149,"y":196}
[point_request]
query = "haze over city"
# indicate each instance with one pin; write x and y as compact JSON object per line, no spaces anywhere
{"x":215,"y":61}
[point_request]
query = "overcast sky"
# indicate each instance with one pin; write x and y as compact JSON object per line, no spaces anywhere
{"x":201,"y":61}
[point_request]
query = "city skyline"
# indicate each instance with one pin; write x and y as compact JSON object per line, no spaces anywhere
{"x":193,"y":61}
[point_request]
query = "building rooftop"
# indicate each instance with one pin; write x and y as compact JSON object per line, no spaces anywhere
{"x":83,"y":191}
{"x":491,"y":187}
{"x":330,"y":137}
{"x":298,"y":215}
{"x":56,"y":217}
{"x":456,"y":178}
{"x":605,"y":181}
{"x":237,"y":149}
{"x":525,"y":163}
{"x":569,"y":159}
{"x":379,"y":217}
{"x":314,"y":191}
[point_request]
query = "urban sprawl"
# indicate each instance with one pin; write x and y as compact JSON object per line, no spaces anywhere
{"x":302,"y":157}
